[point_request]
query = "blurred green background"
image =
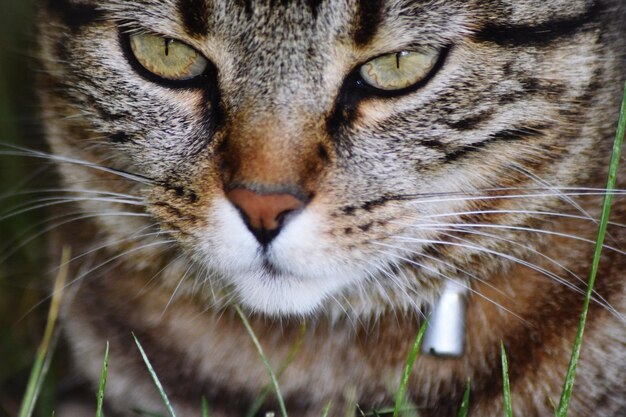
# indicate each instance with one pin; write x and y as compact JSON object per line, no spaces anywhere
{"x":23,"y":276}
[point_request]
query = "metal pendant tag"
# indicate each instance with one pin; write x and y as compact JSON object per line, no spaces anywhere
{"x":445,"y":335}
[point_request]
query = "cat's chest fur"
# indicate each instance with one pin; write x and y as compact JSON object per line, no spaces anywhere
{"x":329,"y":166}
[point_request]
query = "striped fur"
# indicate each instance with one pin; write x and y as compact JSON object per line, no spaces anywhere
{"x":487,"y":174}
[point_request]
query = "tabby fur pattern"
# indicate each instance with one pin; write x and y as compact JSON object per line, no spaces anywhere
{"x":490,"y":174}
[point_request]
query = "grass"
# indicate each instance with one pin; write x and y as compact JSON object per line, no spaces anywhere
{"x":205,"y":408}
{"x":44,"y":353}
{"x":103,"y":382}
{"x":464,"y":408}
{"x":604,"y":221}
{"x":506,"y":386}
{"x":401,"y":400}
{"x":270,"y":371}
{"x":155,"y":378}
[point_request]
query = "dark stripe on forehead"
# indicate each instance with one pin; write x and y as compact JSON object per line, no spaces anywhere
{"x":72,"y":14}
{"x":195,"y":16}
{"x":538,"y":34}
{"x":369,"y":16}
{"x":246,"y":5}
{"x":313,"y":5}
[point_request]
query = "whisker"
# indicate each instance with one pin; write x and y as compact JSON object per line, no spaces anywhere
{"x":180,"y":282}
{"x":137,"y":235}
{"x":464,"y":196}
{"x":76,"y":217}
{"x":504,"y":211}
{"x":85,"y":274}
{"x":597,"y":297}
{"x":55,"y":201}
{"x":67,"y":190}
{"x":24,"y":152}
{"x":463,"y":285}
{"x":479,"y":248}
{"x":393,"y":278}
{"x":517,"y":228}
{"x":148,"y":284}
{"x":563,"y":197}
{"x":465,"y":272}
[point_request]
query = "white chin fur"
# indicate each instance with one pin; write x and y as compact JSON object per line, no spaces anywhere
{"x":307,"y":274}
{"x":279,"y":295}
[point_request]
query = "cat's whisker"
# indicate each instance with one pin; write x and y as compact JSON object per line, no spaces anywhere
{"x":155,"y":276}
{"x":178,"y":286}
{"x":373,"y":272}
{"x":597,"y":298}
{"x":56,"y":201}
{"x":394,"y":279}
{"x":465,"y":272}
{"x":73,"y":217}
{"x":564,"y":197}
{"x":135,"y":236}
{"x":448,"y":278}
{"x":468,"y":197}
{"x":350,"y":317}
{"x":400,"y":285}
{"x":78,"y":191}
{"x":24,"y":152}
{"x":527,"y":212}
{"x":472,"y":246}
{"x":83,"y":275}
{"x":515,"y":228}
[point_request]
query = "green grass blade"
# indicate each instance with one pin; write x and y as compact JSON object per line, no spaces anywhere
{"x":606,"y":210}
{"x":155,"y":378}
{"x":326,"y":411}
{"x":270,"y":371}
{"x":103,"y":382}
{"x":506,"y":385}
{"x":401,"y":395}
{"x":291,"y":355}
{"x":205,"y":408}
{"x":463,"y":412}
{"x":44,"y":353}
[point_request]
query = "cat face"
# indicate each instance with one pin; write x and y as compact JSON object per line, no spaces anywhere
{"x":299,"y":169}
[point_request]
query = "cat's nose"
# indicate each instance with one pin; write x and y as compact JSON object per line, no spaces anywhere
{"x":264,"y":214}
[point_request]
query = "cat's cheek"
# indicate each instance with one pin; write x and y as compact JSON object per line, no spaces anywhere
{"x":304,"y":249}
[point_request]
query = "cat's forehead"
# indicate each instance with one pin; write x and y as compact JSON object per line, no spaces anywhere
{"x":297,"y":24}
{"x":280,"y":18}
{"x":358,"y":20}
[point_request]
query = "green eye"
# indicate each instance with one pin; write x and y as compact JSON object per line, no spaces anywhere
{"x":167,"y":58}
{"x":398,"y":71}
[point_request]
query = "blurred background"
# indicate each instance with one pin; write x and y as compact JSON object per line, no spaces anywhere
{"x":23,"y":264}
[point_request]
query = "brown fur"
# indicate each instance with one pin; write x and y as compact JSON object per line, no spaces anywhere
{"x":523,"y":104}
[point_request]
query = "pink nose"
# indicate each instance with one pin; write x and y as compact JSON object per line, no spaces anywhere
{"x":264,"y":214}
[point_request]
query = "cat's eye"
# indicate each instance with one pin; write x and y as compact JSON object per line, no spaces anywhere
{"x":167,"y":58}
{"x":398,"y":71}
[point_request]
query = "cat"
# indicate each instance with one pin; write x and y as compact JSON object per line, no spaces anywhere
{"x":331,"y":167}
